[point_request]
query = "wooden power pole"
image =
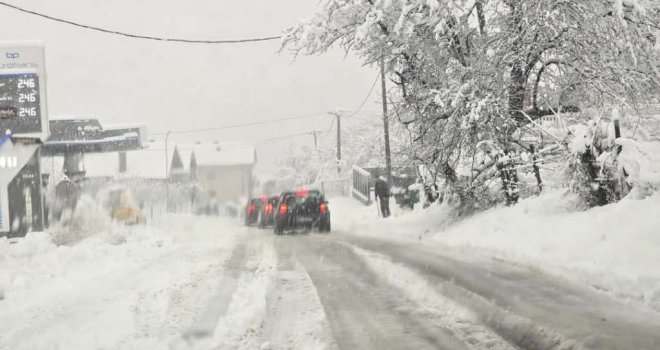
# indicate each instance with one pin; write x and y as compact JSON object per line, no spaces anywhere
{"x":386,"y":124}
{"x":338,"y":116}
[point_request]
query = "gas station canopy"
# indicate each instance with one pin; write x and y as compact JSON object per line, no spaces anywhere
{"x":89,"y":136}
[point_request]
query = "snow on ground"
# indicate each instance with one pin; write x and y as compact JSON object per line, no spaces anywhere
{"x":183,"y":282}
{"x":134,"y":283}
{"x":296,"y":319}
{"x":435,"y":307}
{"x":612,"y":248}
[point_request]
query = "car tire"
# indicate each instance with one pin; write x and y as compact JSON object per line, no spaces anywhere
{"x":278,"y":228}
{"x":324,"y":226}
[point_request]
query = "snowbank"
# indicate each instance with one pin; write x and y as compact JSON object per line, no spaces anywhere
{"x":612,"y":248}
{"x":349,"y":216}
{"x":124,"y":279}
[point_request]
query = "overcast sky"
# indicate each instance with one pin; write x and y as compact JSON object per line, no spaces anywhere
{"x":172,"y":86}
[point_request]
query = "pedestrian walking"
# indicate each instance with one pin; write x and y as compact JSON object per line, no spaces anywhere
{"x":383,"y":194}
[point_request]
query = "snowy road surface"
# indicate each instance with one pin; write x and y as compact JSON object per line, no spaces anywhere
{"x":212,"y":284}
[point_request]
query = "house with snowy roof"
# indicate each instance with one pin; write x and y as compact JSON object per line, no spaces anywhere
{"x":148,"y":163}
{"x":224,"y":169}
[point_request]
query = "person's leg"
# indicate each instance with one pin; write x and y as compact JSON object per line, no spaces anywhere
{"x":386,"y":207}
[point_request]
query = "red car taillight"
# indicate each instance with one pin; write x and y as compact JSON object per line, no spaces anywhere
{"x":250,"y":208}
{"x":283,"y":209}
{"x":323,"y":207}
{"x":269,"y":208}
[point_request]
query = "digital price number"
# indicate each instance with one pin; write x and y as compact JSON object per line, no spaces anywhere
{"x":19,"y":101}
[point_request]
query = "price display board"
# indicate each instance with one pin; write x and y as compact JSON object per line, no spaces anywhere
{"x":22,"y":92}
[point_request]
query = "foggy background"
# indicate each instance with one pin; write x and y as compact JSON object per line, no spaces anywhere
{"x":174,"y":86}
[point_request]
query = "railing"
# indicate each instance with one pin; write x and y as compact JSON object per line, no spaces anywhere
{"x":361,"y":185}
{"x":336,"y":187}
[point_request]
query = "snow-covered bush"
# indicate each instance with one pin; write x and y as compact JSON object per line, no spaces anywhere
{"x":604,"y":169}
{"x":640,"y":164}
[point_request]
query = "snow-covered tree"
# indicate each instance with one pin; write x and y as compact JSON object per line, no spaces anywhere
{"x":469,"y":71}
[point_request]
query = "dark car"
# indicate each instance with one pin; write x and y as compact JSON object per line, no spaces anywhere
{"x":267,"y":215}
{"x":302,"y":210}
{"x":253,"y":209}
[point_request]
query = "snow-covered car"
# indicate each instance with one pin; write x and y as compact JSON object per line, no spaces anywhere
{"x":267,"y":214}
{"x":253,"y":209}
{"x":302,"y":209}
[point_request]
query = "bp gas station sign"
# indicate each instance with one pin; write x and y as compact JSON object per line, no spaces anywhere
{"x":23,"y":127}
{"x":23,"y":91}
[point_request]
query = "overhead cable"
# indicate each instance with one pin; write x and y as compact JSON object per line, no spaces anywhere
{"x":139,"y":36}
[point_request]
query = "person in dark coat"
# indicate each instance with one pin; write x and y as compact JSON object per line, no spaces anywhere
{"x":66,"y":194}
{"x":382,"y":190}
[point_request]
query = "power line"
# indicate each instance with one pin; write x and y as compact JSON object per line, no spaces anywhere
{"x":236,"y":126}
{"x":242,"y":125}
{"x":284,"y":137}
{"x":137,"y":36}
{"x":366,"y":97}
{"x":246,"y":145}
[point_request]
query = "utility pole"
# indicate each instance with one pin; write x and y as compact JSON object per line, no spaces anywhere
{"x":316,"y":145}
{"x":338,"y":143}
{"x":386,"y":124}
{"x":167,"y":175}
{"x":338,"y":116}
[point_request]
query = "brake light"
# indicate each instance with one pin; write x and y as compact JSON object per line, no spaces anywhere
{"x":323,"y":207}
{"x":250,"y":208}
{"x":269,"y":208}
{"x":263,"y":198}
{"x":302,"y":193}
{"x":283,"y":209}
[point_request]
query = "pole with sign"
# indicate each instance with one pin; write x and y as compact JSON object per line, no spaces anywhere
{"x":24,"y":126}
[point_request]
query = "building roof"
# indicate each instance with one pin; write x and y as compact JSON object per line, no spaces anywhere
{"x":147,"y":163}
{"x":220,"y":153}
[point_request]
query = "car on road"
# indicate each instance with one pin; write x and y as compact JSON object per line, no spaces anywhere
{"x":253,"y":210}
{"x":302,"y":210}
{"x":267,"y":215}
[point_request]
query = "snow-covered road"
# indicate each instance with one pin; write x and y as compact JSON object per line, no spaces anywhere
{"x":213,"y":284}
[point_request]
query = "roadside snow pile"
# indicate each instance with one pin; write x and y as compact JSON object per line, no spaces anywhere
{"x":613,"y":248}
{"x":131,"y":282}
{"x":36,"y":260}
{"x":88,"y":219}
{"x":350,"y":216}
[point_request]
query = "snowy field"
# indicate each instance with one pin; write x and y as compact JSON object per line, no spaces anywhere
{"x":411,"y":281}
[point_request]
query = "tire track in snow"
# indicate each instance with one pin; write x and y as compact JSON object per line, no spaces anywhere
{"x":445,"y":313}
{"x":295,"y":319}
{"x":363,"y":311}
{"x":205,"y":323}
{"x":526,"y":307}
{"x":241,"y":326}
